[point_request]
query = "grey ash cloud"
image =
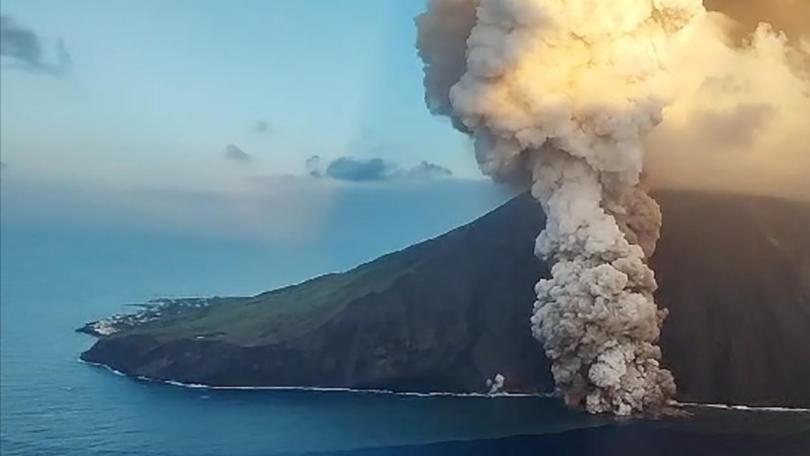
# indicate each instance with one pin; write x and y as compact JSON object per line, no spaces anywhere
{"x":22,"y":49}
{"x":352,"y":169}
{"x":236,"y":154}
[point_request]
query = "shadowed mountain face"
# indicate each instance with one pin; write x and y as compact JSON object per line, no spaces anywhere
{"x":452,"y":312}
{"x":735,"y":274}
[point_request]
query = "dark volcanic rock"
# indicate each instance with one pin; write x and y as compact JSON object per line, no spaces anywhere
{"x":449,"y":313}
{"x":735,"y":274}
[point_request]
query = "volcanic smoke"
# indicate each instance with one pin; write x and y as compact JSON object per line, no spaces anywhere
{"x":563,"y":92}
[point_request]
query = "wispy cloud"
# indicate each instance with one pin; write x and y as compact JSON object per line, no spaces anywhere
{"x":351,"y":169}
{"x":427,"y":170}
{"x":262,"y":126}
{"x":23,"y":50}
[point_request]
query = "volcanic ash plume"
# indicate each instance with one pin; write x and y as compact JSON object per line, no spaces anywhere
{"x":562,"y":92}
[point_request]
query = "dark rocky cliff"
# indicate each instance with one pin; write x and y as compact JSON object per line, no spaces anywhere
{"x":449,"y":313}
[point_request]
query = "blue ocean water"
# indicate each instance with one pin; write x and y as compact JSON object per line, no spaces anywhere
{"x":55,"y":278}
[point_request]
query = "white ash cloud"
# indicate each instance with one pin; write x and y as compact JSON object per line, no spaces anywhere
{"x":563,"y":92}
{"x":567,"y":95}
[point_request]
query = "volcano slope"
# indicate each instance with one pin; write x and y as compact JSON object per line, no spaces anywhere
{"x":449,"y":313}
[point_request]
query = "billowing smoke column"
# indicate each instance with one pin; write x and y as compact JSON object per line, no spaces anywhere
{"x":561,"y":93}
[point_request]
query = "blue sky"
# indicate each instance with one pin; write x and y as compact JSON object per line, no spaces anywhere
{"x":171,"y":84}
{"x":192,"y":113}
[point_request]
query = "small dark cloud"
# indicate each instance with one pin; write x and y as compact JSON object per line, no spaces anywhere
{"x":262,"y":126}
{"x":359,"y":170}
{"x":313,"y":165}
{"x":352,"y":169}
{"x":23,"y":49}
{"x":234,"y":153}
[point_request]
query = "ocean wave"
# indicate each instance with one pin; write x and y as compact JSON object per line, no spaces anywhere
{"x":319,"y":389}
{"x":744,"y":408}
{"x":114,"y":371}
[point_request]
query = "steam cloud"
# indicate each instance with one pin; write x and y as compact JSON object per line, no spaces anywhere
{"x":495,"y":384}
{"x":564,"y":95}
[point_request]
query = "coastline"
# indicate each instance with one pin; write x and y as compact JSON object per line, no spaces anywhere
{"x":734,"y":407}
{"x":313,"y":388}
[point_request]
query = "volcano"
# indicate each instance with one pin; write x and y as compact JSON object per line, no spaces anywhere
{"x":451,"y":313}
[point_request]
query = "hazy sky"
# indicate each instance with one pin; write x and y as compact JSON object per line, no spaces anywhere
{"x":160,"y":90}
{"x":203,"y":117}
{"x":209,"y":114}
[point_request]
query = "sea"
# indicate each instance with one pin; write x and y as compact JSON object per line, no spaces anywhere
{"x":54,"y":278}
